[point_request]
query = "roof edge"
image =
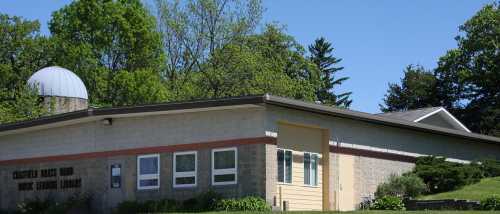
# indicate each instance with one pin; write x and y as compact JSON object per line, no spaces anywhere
{"x":109,"y":111}
{"x":366,"y":117}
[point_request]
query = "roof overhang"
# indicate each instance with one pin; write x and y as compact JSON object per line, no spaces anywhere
{"x":197,"y":105}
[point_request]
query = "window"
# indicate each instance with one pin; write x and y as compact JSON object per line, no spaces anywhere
{"x":310,"y":169}
{"x":185,"y":167}
{"x":284,"y":166}
{"x":148,"y":171}
{"x":224,"y":166}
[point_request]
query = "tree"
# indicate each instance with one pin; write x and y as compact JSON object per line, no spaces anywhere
{"x":22,"y":51}
{"x":22,"y":103}
{"x":416,"y":90}
{"x":321,"y":56}
{"x":192,"y":31}
{"x":99,"y":39}
{"x":142,"y":86}
{"x":270,"y":62}
{"x":479,"y":45}
{"x":466,"y":79}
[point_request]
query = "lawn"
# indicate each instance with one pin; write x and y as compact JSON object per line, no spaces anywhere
{"x":373,"y":212}
{"x":485,"y":188}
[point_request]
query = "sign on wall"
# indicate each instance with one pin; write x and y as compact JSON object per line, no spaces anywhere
{"x":46,"y":184}
{"x":116,"y":176}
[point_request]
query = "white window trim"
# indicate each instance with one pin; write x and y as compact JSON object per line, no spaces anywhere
{"x":147,"y":176}
{"x":225,"y":171}
{"x":185,"y":174}
{"x":310,"y":169}
{"x":284,"y":166}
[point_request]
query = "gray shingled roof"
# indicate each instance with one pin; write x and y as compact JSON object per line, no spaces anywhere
{"x":410,"y":115}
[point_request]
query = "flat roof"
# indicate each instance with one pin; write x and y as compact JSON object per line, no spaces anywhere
{"x":253,"y":99}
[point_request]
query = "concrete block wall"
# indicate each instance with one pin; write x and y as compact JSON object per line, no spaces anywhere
{"x":135,"y":132}
{"x":95,"y":175}
{"x":370,"y":172}
{"x":271,"y":174}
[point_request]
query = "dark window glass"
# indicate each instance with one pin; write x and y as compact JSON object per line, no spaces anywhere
{"x":224,"y":178}
{"x":288,"y":166}
{"x":281,"y":165}
{"x":307,"y":168}
{"x":185,"y":163}
{"x":148,"y":165}
{"x":148,"y":182}
{"x":314,"y":169}
{"x":184,"y":180}
{"x":224,"y":159}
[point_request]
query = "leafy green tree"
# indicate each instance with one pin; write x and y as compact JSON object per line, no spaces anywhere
{"x":466,"y":79}
{"x":479,"y":45}
{"x":321,"y":56}
{"x":193,"y":30}
{"x":99,"y":39}
{"x":417,"y":90}
{"x":142,"y":86}
{"x":22,"y":103}
{"x":22,"y":51}
{"x":270,"y":62}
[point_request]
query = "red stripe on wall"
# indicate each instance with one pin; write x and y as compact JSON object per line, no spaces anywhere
{"x":147,"y":150}
{"x":372,"y":154}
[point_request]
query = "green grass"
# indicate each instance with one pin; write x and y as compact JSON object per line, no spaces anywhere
{"x":369,"y":212}
{"x":485,"y":188}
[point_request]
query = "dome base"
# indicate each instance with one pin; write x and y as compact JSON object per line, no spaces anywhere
{"x":59,"y":105}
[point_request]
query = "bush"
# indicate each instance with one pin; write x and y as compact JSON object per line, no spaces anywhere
{"x":491,"y":203}
{"x":76,"y":202}
{"x":243,"y":204}
{"x":442,"y":176}
{"x":163,"y":205}
{"x":203,"y":202}
{"x":490,"y":167}
{"x":388,"y":203}
{"x":405,"y":186}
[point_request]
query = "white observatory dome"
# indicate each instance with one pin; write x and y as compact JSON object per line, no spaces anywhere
{"x":59,"y":82}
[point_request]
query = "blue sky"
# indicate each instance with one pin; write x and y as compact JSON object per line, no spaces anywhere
{"x":375,"y":39}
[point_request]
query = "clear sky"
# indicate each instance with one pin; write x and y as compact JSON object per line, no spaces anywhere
{"x":375,"y":39}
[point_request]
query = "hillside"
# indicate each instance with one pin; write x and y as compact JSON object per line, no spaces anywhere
{"x":485,"y":188}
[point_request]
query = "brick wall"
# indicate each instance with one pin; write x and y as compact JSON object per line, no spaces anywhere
{"x":95,"y":177}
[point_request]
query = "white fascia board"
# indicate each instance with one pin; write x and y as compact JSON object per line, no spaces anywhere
{"x":428,"y":115}
{"x":455,"y":120}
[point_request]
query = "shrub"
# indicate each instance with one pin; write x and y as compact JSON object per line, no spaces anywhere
{"x":75,"y":203}
{"x":243,"y":204}
{"x":164,"y":205}
{"x":491,"y":203}
{"x":388,"y":203}
{"x":490,"y":167}
{"x":203,"y":202}
{"x":405,"y":186}
{"x":442,"y":176}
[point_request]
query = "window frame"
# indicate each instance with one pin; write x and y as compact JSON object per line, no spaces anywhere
{"x":185,"y":174}
{"x":284,"y":165}
{"x":225,"y":171}
{"x":148,"y":176}
{"x":316,"y":182}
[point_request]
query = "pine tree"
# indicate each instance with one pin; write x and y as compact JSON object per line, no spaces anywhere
{"x":321,"y":56}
